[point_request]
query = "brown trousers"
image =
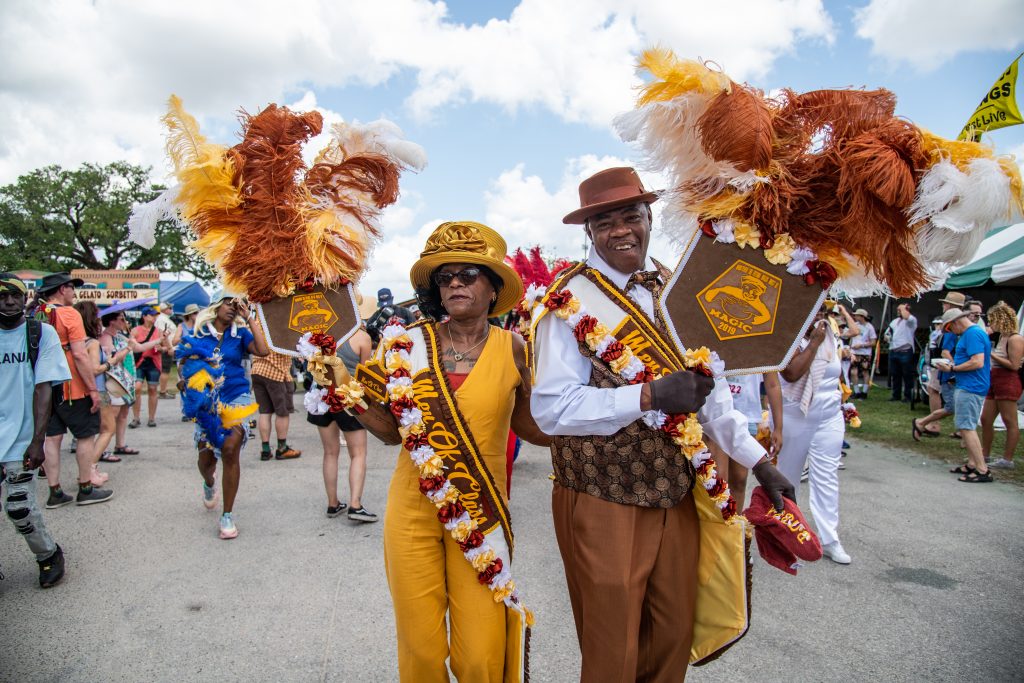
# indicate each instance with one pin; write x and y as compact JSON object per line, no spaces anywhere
{"x":632,"y":576}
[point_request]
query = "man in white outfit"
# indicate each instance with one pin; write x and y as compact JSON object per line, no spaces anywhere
{"x":812,"y":413}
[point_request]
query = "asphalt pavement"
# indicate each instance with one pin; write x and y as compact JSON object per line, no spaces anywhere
{"x":934,"y":593}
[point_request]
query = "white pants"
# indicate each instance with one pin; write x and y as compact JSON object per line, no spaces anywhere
{"x":817,"y":440}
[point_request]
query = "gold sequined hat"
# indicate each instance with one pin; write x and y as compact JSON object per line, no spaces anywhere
{"x":469,"y":242}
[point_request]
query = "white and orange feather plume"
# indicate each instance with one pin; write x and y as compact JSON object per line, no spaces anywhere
{"x":263,"y":219}
{"x":831,"y":180}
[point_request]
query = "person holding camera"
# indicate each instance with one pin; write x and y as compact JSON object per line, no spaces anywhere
{"x":219,"y":341}
{"x":902,"y":369}
{"x":386,"y":309}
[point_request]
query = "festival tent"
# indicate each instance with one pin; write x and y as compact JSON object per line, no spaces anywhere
{"x":181,"y":293}
{"x":999,"y":260}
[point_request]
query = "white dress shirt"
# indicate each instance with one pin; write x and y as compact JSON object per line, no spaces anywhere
{"x":563,"y":403}
{"x":902,"y":333}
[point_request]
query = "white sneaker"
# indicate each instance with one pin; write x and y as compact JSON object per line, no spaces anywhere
{"x":227,"y":526}
{"x":210,"y":495}
{"x":834,"y":551}
{"x":1002,"y":464}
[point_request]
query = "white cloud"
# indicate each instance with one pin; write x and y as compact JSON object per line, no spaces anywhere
{"x":520,"y":207}
{"x":526,"y":212}
{"x":85,"y":81}
{"x":927,"y":33}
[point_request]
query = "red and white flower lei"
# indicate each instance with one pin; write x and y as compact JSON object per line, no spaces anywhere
{"x":320,"y":353}
{"x":684,"y":429}
{"x":434,"y":484}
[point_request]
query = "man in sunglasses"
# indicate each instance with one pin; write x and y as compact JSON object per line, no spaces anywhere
{"x":976,"y":314}
{"x":624,"y":516}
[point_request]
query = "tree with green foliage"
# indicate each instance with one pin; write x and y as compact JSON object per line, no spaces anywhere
{"x":56,"y":219}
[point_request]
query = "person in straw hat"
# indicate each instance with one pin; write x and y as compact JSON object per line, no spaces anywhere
{"x":861,"y":346}
{"x":625,"y":521}
{"x":447,"y":539}
{"x":216,"y":394}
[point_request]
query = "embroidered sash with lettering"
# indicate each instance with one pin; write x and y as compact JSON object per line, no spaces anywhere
{"x":724,"y":579}
{"x":620,"y":314}
{"x":407,"y":371}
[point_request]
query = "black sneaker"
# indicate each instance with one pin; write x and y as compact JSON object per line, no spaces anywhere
{"x":266,"y":455}
{"x":51,"y":570}
{"x":58,"y":499}
{"x":361,"y":514}
{"x":336,"y":510}
{"x":95,"y":495}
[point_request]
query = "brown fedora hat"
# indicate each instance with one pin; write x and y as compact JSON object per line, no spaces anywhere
{"x":606,"y":190}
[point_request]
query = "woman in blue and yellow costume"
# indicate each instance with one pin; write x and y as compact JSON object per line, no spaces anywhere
{"x":215,"y":393}
{"x":453,"y":386}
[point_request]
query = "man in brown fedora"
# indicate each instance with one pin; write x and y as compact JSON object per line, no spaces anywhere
{"x":626,"y":524}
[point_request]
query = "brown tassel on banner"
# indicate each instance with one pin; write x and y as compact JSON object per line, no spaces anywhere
{"x":737,"y":127}
{"x":272,"y":162}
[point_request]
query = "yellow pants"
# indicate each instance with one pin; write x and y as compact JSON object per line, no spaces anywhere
{"x":429,"y":577}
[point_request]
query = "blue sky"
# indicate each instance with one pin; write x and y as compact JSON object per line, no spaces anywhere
{"x":512,"y":101}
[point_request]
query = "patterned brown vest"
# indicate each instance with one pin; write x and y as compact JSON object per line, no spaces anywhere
{"x":635,"y":466}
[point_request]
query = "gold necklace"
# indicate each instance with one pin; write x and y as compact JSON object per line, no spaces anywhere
{"x":460,"y":356}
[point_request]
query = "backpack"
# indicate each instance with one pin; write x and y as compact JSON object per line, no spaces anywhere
{"x":33,"y":334}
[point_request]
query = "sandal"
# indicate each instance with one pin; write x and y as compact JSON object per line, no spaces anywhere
{"x":151,"y":423}
{"x":107,"y":456}
{"x":977,"y":477}
{"x":931,"y":434}
{"x":962,"y":469}
{"x":915,"y":431}
{"x":124,"y":450}
{"x":134,"y":423}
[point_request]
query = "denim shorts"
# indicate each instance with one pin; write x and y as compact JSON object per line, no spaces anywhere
{"x":946,"y":390}
{"x":199,"y":436}
{"x":968,"y":409}
{"x":148,"y":372}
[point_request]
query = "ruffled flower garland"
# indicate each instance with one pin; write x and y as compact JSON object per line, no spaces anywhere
{"x":684,"y":429}
{"x":327,"y":394}
{"x":850,"y":415}
{"x":434,"y":483}
{"x":780,"y":250}
{"x":534,"y":293}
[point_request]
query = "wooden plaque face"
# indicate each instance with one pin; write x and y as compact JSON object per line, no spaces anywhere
{"x":733,"y":301}
{"x":328,"y":311}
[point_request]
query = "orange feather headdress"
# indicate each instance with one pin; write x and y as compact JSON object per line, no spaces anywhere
{"x":829,"y":181}
{"x":264,"y":219}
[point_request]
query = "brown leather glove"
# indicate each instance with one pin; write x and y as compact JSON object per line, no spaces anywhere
{"x":680,"y":392}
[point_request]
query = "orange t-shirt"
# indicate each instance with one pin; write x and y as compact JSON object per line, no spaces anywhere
{"x":69,"y":326}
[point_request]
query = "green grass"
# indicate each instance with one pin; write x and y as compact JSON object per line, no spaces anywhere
{"x":888,"y":422}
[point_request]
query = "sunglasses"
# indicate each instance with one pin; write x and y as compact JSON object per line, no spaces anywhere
{"x":467,"y":276}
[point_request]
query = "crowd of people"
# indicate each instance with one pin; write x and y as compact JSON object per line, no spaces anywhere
{"x":625,"y":517}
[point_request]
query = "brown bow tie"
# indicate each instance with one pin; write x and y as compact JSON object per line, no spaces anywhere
{"x":648,"y":279}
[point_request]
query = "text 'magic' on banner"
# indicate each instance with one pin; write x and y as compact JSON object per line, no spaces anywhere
{"x":317,"y":310}
{"x":753,"y":313}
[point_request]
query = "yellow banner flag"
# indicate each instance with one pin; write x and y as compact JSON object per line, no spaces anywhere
{"x":998,"y":109}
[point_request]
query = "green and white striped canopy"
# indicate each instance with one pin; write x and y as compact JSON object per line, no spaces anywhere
{"x":1000,"y":259}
